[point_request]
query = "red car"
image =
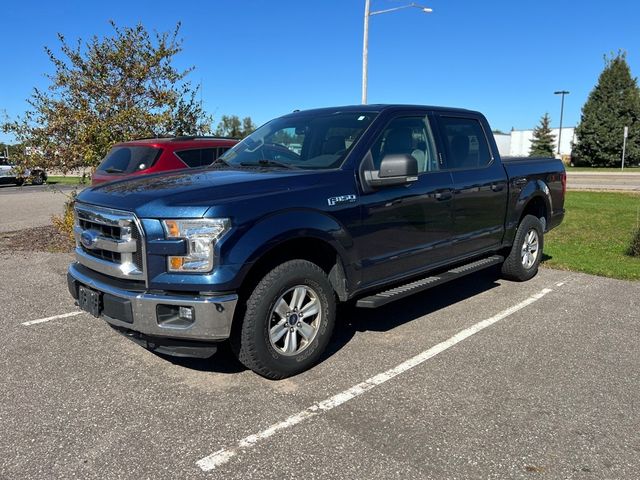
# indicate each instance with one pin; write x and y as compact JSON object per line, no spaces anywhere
{"x":140,"y":157}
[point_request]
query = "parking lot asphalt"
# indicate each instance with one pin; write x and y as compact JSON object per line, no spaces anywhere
{"x":548,"y":390}
{"x":629,"y":181}
{"x":30,"y":206}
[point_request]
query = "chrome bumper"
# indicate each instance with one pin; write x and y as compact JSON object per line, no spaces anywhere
{"x":213,"y":315}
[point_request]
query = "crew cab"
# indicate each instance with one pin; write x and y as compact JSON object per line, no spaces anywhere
{"x":362,"y":203}
{"x":10,"y":173}
{"x":155,"y":155}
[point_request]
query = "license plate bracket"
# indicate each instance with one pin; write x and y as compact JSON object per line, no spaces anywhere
{"x":90,"y":301}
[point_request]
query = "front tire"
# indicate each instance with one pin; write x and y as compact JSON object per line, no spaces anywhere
{"x":288,"y":321}
{"x":526,"y":252}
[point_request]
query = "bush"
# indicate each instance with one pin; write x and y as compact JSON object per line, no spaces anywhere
{"x":64,"y":222}
{"x":634,"y":248}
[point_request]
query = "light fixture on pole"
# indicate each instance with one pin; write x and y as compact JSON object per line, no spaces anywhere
{"x":563,"y":93}
{"x":365,"y":44}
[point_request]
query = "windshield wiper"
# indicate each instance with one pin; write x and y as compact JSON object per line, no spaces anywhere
{"x":267,"y":163}
{"x":113,"y":170}
{"x":220,"y":161}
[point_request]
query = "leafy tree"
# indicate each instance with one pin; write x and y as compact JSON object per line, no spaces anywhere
{"x":613,"y":104}
{"x":104,"y":91}
{"x":542,"y":142}
{"x":13,"y":150}
{"x":248,"y":126}
{"x":232,"y":126}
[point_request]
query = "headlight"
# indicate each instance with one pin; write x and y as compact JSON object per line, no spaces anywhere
{"x":201,"y":236}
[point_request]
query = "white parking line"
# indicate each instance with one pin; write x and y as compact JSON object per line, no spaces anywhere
{"x":223,"y":455}
{"x":55,"y":317}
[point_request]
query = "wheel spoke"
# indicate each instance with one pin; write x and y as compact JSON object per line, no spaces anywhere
{"x":299,"y":293}
{"x":306,"y":330}
{"x":277,"y":331}
{"x":310,"y":308}
{"x":291,"y":342}
{"x":282,"y":308}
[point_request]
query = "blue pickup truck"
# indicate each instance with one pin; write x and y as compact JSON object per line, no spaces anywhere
{"x":367,"y":204}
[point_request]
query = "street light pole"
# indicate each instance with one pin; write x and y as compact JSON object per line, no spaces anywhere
{"x":365,"y":44}
{"x":562,"y":93}
{"x":365,"y":50}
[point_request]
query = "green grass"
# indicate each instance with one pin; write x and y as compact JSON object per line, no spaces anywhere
{"x":63,"y":180}
{"x":595,"y":235}
{"x":627,"y":169}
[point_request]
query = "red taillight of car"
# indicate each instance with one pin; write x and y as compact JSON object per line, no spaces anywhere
{"x":564,"y":183}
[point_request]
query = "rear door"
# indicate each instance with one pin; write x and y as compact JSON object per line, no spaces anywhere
{"x":405,"y":228}
{"x":479,"y":184}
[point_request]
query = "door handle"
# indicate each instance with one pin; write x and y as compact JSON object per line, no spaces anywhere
{"x":497,"y":187}
{"x":443,"y":195}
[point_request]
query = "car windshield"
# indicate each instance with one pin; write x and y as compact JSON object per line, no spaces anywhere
{"x":128,"y":159}
{"x":304,"y":141}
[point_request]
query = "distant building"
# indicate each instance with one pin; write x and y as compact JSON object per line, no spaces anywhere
{"x":517,"y":143}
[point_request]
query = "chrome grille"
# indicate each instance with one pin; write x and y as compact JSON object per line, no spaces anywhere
{"x":110,"y":242}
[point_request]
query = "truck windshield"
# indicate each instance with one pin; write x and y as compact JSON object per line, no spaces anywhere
{"x":307,"y":142}
{"x":128,"y":159}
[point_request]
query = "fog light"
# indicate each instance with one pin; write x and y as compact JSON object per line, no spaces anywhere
{"x":186,"y":313}
{"x":175,"y":316}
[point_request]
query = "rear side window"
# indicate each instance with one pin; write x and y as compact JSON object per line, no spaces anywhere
{"x":199,"y":157}
{"x":129,"y":159}
{"x":465,"y":142}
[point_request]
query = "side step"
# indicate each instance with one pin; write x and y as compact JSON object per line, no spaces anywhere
{"x":403,"y":291}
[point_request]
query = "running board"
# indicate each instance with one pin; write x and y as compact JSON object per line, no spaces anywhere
{"x":403,"y":291}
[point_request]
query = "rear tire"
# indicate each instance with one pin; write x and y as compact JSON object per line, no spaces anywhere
{"x":526,"y":253}
{"x":37,"y":179}
{"x":288,"y":321}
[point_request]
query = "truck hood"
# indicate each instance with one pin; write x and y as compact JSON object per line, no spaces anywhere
{"x":190,"y":194}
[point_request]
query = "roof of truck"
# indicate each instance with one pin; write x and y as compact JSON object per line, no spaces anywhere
{"x":378,"y":108}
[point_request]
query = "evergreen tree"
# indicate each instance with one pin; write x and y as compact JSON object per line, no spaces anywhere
{"x":613,"y":104}
{"x":542,"y":142}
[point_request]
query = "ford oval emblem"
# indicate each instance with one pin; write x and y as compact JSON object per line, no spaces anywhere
{"x":88,"y":238}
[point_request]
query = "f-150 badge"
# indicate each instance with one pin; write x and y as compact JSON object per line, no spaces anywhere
{"x":341,"y":199}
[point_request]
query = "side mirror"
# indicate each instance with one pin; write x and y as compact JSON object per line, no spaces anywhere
{"x":394,"y":170}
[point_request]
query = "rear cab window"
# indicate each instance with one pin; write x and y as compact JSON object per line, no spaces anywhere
{"x":200,"y":157}
{"x":465,"y":143}
{"x":129,"y":159}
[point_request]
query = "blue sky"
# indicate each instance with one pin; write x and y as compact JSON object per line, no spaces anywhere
{"x":266,"y":58}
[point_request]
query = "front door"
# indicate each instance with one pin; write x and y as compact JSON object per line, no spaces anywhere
{"x":405,"y":228}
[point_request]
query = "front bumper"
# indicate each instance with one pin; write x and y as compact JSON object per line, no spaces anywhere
{"x":137,"y":311}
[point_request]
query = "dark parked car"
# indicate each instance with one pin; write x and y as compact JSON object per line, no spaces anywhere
{"x":156,"y":155}
{"x":369,"y":203}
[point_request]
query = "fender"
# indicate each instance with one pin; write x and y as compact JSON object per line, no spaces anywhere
{"x":532,"y":190}
{"x":246,"y":247}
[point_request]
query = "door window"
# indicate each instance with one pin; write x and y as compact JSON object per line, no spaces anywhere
{"x":409,"y":136}
{"x":465,"y":142}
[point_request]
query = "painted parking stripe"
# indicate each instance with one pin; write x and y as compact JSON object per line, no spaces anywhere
{"x":223,"y":455}
{"x":48,"y":319}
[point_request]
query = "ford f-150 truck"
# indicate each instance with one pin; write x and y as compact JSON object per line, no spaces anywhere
{"x":365,"y":203}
